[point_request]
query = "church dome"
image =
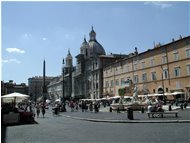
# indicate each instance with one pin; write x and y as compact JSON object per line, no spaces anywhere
{"x":94,"y":46}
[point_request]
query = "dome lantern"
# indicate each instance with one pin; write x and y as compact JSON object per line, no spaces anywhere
{"x":92,"y":35}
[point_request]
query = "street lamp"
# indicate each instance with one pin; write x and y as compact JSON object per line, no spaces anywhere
{"x":35,"y":92}
{"x":163,"y":85}
{"x":63,"y":91}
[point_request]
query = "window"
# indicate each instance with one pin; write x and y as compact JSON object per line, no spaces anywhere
{"x":153,"y":75}
{"x":117,"y":82}
{"x":127,"y":68}
{"x":188,"y":53}
{"x":135,"y":67}
{"x":86,"y":52}
{"x":178,"y":84}
{"x":96,"y":85}
{"x":122,"y":81}
{"x":165,"y":73}
{"x":97,"y":76}
{"x":112,"y":83}
{"x":136,"y":79}
{"x":164,"y":59}
{"x":144,"y":77}
{"x":107,"y":84}
{"x":188,"y":69}
{"x":176,"y":56}
{"x":152,"y":62}
{"x":177,"y":71}
{"x":143,"y":65}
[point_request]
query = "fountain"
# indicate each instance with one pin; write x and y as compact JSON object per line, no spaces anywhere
{"x":133,"y":103}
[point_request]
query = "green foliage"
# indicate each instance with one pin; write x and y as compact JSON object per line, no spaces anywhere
{"x":121,"y":91}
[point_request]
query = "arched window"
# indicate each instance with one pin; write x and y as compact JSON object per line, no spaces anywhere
{"x":86,"y":52}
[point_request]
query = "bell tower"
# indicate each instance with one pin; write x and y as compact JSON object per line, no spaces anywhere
{"x":69,"y":60}
{"x":67,"y":75}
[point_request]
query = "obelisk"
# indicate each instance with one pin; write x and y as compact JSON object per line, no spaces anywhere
{"x":44,"y":88}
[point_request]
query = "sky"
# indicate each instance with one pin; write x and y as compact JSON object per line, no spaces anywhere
{"x":34,"y":31}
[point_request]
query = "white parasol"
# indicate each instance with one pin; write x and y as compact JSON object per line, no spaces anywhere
{"x":16,"y":97}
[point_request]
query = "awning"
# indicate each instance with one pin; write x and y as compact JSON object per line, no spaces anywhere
{"x":142,"y":95}
{"x":176,"y":93}
{"x":156,"y":94}
{"x":177,"y":89}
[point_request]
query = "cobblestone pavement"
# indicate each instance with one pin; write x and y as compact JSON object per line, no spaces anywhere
{"x":104,"y":114}
{"x":58,"y":129}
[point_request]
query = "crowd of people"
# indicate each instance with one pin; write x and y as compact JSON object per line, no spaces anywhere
{"x":40,"y":107}
{"x":156,"y":107}
{"x":75,"y":105}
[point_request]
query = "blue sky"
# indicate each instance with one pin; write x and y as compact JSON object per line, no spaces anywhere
{"x":34,"y":31}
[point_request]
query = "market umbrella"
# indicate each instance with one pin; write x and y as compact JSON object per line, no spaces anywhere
{"x":16,"y":97}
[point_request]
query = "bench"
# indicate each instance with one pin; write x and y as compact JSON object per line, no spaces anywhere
{"x":162,"y":113}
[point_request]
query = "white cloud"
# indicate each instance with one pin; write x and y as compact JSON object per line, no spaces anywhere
{"x":160,"y":4}
{"x":26,"y":36}
{"x":44,"y":39}
{"x":11,"y":60}
{"x":15,"y":50}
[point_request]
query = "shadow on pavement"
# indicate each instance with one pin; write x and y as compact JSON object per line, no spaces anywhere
{"x":18,"y":124}
{"x":3,"y":133}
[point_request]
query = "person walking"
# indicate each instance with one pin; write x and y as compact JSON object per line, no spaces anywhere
{"x":72,"y":106}
{"x":43,"y":109}
{"x":83,"y":106}
{"x":76,"y":106}
{"x":91,"y":107}
{"x":37,"y":109}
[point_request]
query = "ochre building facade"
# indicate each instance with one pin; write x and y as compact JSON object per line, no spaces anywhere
{"x":165,"y":67}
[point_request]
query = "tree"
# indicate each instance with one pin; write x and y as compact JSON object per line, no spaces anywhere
{"x":121,"y":91}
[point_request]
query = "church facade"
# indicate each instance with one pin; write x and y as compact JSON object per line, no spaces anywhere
{"x":85,"y":80}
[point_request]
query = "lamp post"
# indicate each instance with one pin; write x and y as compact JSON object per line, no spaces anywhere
{"x":63,"y":88}
{"x":35,"y":92}
{"x":163,"y":85}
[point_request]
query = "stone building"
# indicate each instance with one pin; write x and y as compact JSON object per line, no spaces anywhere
{"x":85,"y":80}
{"x":10,"y":87}
{"x":88,"y":75}
{"x":165,"y":68}
{"x":35,"y":85}
{"x":55,"y":88}
{"x":67,"y":76}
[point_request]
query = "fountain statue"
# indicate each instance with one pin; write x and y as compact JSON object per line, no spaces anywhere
{"x":134,"y":103}
{"x":135,"y":96}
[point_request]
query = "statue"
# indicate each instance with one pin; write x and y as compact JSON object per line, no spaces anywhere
{"x":135,"y":91}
